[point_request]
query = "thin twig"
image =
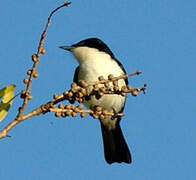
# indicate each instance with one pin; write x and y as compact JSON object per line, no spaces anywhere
{"x":19,"y":116}
{"x":40,"y":49}
{"x":124,"y":76}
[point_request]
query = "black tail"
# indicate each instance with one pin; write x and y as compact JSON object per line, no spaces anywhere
{"x":115,"y":146}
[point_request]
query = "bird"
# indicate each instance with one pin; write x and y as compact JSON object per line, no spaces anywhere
{"x":96,"y":59}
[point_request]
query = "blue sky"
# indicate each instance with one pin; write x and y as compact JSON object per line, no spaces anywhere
{"x":156,"y":37}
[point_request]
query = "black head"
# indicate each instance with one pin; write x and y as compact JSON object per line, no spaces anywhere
{"x":94,"y":43}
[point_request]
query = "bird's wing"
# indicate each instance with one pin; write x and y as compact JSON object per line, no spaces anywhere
{"x":75,"y":79}
{"x":119,"y":63}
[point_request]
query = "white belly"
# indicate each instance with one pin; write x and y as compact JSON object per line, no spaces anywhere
{"x":94,"y":63}
{"x":91,"y":71}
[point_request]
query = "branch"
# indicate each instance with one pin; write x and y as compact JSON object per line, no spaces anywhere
{"x":79,"y":93}
{"x":25,"y":94}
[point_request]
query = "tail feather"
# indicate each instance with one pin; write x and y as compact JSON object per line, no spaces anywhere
{"x":115,"y":146}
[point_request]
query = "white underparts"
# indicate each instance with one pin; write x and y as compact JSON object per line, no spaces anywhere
{"x":94,"y":63}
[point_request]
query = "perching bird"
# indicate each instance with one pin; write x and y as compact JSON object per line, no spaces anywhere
{"x":96,"y":59}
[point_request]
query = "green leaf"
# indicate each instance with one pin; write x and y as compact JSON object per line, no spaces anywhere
{"x":7,"y":95}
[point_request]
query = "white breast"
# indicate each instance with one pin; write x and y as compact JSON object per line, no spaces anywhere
{"x":93,"y":64}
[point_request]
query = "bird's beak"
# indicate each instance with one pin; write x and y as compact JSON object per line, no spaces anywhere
{"x":68,"y":48}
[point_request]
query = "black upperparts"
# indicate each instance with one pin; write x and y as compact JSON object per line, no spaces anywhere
{"x":95,"y":43}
